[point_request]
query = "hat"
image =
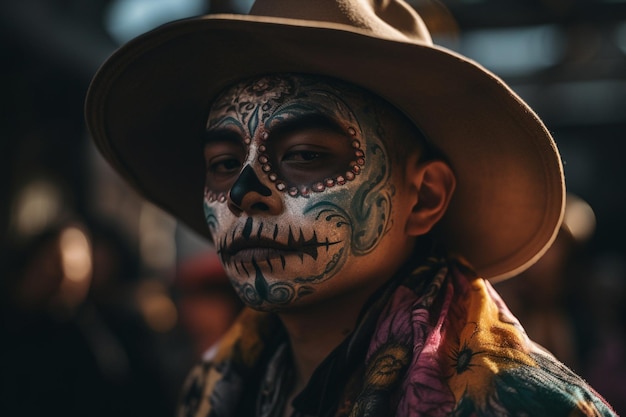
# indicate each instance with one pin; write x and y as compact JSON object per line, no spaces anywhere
{"x":147,"y":107}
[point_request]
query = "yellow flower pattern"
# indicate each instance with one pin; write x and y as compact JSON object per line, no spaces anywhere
{"x":482,"y":345}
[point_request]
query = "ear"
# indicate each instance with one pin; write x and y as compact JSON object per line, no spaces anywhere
{"x":434,"y":182}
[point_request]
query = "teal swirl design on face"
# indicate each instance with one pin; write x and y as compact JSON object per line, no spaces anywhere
{"x":371,"y":202}
{"x":211,"y":217}
{"x":372,"y":205}
{"x":336,"y":217}
{"x":325,"y":223}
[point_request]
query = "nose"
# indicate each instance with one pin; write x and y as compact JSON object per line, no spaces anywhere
{"x":248,"y":194}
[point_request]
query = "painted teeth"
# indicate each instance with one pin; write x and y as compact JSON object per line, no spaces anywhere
{"x":297,"y":244}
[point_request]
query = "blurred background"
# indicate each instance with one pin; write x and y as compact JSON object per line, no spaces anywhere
{"x":107,"y":301}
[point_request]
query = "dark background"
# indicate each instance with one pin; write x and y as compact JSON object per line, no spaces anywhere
{"x":566,"y":58}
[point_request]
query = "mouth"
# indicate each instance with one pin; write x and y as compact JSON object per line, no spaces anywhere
{"x":256,"y":248}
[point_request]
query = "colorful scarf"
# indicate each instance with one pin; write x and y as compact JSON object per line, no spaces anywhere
{"x":437,"y":341}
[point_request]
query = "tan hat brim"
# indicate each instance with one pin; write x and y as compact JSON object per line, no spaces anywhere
{"x":147,"y":106}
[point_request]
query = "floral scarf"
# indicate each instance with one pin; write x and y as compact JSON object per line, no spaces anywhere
{"x":436,"y":341}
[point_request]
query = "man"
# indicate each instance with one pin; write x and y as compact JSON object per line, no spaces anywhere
{"x":354,"y":177}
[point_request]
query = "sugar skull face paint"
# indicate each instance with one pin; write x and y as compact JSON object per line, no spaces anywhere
{"x":297,"y":186}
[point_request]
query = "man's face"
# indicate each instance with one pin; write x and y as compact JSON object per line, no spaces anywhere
{"x":298,"y":189}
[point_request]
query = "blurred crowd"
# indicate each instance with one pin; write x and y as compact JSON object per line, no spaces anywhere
{"x":574,"y":304}
{"x":87,"y":332}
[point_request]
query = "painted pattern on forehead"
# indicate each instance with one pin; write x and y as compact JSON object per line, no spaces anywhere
{"x":253,"y":109}
{"x":248,"y":104}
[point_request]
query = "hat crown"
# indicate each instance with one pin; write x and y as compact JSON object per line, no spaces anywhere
{"x":390,"y":19}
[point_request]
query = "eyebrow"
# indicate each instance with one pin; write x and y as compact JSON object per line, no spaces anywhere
{"x":304,"y":122}
{"x":280,"y":128}
{"x":221,"y":135}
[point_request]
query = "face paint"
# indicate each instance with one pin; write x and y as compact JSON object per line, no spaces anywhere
{"x":298,"y":184}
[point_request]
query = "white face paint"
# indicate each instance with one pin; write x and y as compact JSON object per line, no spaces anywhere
{"x":298,"y":185}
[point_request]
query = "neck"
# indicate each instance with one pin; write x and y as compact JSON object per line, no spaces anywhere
{"x":315,"y":331}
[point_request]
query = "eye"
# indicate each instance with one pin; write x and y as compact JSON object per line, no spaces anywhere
{"x":224,"y":165}
{"x":309,"y":155}
{"x":223,"y":157}
{"x":223,"y":161}
{"x":303,"y":156}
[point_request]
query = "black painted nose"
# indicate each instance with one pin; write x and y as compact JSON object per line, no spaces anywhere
{"x":247,"y":182}
{"x":249,"y":194}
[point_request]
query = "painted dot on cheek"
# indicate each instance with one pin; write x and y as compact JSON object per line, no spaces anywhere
{"x":341,"y":180}
{"x":329,"y":182}
{"x":272,"y":176}
{"x":318,"y":187}
{"x":350,"y":175}
{"x":212,"y":196}
{"x":280,"y":186}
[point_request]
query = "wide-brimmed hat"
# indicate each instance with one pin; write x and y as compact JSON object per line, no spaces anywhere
{"x":147,"y":107}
